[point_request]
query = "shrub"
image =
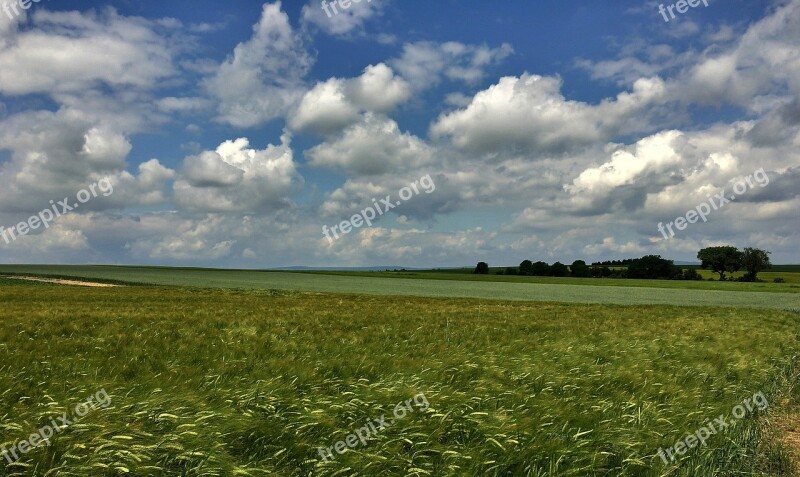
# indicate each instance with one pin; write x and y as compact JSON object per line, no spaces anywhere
{"x":691,"y":274}
{"x":651,"y":266}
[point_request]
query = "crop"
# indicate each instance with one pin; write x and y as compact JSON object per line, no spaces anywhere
{"x":253,"y":382}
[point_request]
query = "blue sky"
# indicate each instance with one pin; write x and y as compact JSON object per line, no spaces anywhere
{"x":232,"y":132}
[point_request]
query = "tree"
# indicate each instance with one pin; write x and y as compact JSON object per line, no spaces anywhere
{"x":526,"y":268}
{"x":755,"y":260}
{"x":511,"y":271}
{"x":558,"y":269}
{"x":720,"y":259}
{"x":651,"y":266}
{"x":579,"y":269}
{"x":482,"y":269}
{"x":540,"y":269}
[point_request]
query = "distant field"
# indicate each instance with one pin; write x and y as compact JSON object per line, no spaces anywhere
{"x":775,"y":268}
{"x":792,"y":279}
{"x":252,"y":382}
{"x":784,"y":296}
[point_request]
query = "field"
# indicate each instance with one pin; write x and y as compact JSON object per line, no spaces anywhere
{"x":622,"y":292}
{"x":253,"y":380}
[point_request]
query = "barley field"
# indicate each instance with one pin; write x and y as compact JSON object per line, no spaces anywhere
{"x":219,"y":382}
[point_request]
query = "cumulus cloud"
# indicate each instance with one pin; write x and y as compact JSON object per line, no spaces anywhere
{"x":237,"y":178}
{"x":374,"y":146}
{"x":336,"y":103}
{"x":765,"y":60}
{"x":530,"y":113}
{"x":54,"y":243}
{"x":732,"y":66}
{"x":325,"y":109}
{"x":264,"y":76}
{"x":640,"y":156}
{"x":621,"y":181}
{"x":173,"y":104}
{"x":186,"y":240}
{"x":391,"y":246}
{"x":53,"y":156}
{"x":70,"y":52}
{"x":425,"y":64}
{"x":661,"y":176}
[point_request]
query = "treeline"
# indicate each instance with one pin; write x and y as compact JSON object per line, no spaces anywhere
{"x":725,"y":259}
{"x":649,"y":266}
{"x":614,"y":263}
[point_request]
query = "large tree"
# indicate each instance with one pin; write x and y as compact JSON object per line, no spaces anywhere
{"x":755,"y":260}
{"x":526,"y":267}
{"x":482,"y":268}
{"x":558,"y":269}
{"x":720,"y":259}
{"x":540,"y":269}
{"x":579,"y":269}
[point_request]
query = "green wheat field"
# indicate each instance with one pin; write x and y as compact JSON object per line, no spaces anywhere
{"x":250,"y":373}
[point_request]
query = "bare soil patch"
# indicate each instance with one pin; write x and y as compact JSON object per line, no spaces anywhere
{"x":60,"y":281}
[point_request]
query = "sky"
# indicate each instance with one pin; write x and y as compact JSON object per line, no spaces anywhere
{"x":246,"y":134}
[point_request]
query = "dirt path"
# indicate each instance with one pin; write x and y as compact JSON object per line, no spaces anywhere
{"x":64,"y":282}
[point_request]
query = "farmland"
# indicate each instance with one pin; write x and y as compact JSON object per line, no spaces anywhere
{"x":254,"y":380}
{"x":623,"y":292}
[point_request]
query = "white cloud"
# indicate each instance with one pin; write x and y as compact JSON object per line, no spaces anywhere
{"x":325,"y":109}
{"x":530,"y":113}
{"x":627,"y":167}
{"x":378,"y":89}
{"x":56,"y":238}
{"x":263,"y":78}
{"x":765,"y":60}
{"x":339,"y":20}
{"x":335,"y":104}
{"x":53,"y":156}
{"x":70,"y":52}
{"x":172,"y":104}
{"x":424,"y":64}
{"x":236,"y":178}
{"x":609,"y":244}
{"x":374,"y":146}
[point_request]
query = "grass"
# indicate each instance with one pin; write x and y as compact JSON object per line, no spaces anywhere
{"x":792,"y":278}
{"x":570,"y":290}
{"x":8,"y":282}
{"x":252,"y":382}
